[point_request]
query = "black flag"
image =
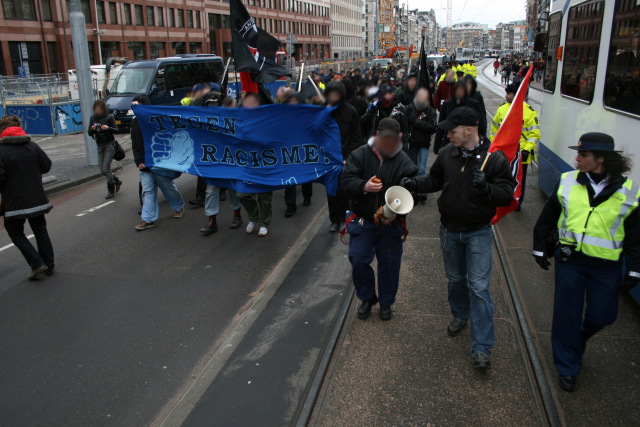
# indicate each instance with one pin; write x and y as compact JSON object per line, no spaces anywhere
{"x":423,"y":71}
{"x":254,"y":50}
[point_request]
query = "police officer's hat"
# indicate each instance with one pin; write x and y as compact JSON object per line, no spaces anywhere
{"x":595,"y":141}
{"x":513,"y":87}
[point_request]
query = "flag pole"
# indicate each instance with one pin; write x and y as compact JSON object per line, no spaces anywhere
{"x":316,"y":87}
{"x":300,"y":80}
{"x":485,"y":161}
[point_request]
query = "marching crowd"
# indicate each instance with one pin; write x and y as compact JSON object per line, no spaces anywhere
{"x":388,"y":119}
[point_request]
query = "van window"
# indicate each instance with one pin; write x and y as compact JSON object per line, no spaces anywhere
{"x":159,"y":82}
{"x":185,"y":75}
{"x":131,"y":81}
{"x":551,"y":53}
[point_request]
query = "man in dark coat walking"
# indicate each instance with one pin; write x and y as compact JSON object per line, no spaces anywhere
{"x":22,"y":164}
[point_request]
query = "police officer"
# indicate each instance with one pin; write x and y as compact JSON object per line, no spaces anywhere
{"x":530,"y":132}
{"x":595,"y":210}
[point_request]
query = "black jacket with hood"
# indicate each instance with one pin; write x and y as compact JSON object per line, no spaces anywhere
{"x":347,"y":118}
{"x":352,"y":97}
{"x":421,"y":125}
{"x":462,"y":207}
{"x":442,"y":140}
{"x":103,"y":137}
{"x":475,"y":94}
{"x":22,"y":163}
{"x":365,"y":163}
{"x":374,"y":114}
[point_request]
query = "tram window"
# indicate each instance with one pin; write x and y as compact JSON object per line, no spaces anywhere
{"x":581,"y":50}
{"x":622,"y":85}
{"x":551,"y":55}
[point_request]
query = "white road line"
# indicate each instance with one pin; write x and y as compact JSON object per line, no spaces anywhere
{"x":11,"y":244}
{"x":96,"y":208}
{"x":40,"y":140}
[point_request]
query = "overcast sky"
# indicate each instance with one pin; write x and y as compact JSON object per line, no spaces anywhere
{"x":490,"y":12}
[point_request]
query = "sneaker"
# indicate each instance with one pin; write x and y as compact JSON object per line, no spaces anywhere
{"x":38,"y":271}
{"x":211,"y":227}
{"x":262,"y":232}
{"x":144,"y":225}
{"x":237,"y":219}
{"x":455,"y":327}
{"x":481,"y":361}
{"x":250,"y":227}
{"x":180,"y":214}
{"x":291,"y":209}
{"x":49,"y":272}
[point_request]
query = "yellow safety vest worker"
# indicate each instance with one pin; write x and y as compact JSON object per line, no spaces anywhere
{"x":185,"y":101}
{"x":474,"y":71}
{"x":455,"y":77}
{"x":320,"y":85}
{"x":595,"y":231}
{"x":530,"y":128}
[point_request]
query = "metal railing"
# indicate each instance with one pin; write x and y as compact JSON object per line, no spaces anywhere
{"x":44,"y":89}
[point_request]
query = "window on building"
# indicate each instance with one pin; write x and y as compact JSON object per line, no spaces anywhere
{"x":172,"y":17}
{"x":160,"y":17}
{"x":53,"y":59}
{"x":19,"y":9}
{"x":581,"y":50}
{"x":195,"y":47}
{"x":189,"y":19}
{"x":84,"y":7}
{"x":156,"y":49}
{"x":197,"y":19}
{"x":46,"y":10}
{"x":92,"y":55}
{"x":113,"y":13}
{"x":102,"y":15}
{"x":181,"y":18}
{"x":137,"y":49}
{"x":150,"y":16}
{"x":623,"y":65}
{"x":127,"y":14}
{"x":109,"y":49}
{"x":139,"y":17}
{"x":179,"y":47}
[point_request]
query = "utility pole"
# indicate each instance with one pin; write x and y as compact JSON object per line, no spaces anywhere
{"x":97,"y":31}
{"x":377,"y":40}
{"x":81,"y":57}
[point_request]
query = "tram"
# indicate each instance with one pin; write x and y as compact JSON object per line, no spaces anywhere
{"x":591,"y":81}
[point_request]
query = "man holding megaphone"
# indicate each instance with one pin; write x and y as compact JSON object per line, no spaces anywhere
{"x":472,"y":190}
{"x":376,"y":223}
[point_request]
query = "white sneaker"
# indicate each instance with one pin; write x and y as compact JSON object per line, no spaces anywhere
{"x":250,"y":227}
{"x":262,"y":232}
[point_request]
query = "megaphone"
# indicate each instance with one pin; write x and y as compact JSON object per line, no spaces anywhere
{"x":398,"y":201}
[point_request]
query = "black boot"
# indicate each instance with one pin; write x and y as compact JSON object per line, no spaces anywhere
{"x":111,"y":188}
{"x":118,"y":183}
{"x":211,"y":227}
{"x":364,"y":311}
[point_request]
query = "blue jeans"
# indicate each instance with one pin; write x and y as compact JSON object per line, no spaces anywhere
{"x":600,"y":281}
{"x":151,"y":181}
{"x":468,"y":258}
{"x":384,"y":243}
{"x":419,"y":156}
{"x":538,"y":75}
{"x":212,"y":200}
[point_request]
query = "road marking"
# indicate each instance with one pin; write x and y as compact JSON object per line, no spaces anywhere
{"x":40,"y":140}
{"x":96,"y":208}
{"x":11,"y":244}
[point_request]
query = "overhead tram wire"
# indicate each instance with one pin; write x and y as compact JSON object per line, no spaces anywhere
{"x":465,"y":5}
{"x":489,"y":1}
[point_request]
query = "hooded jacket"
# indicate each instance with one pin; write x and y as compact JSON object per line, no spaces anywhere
{"x":352,"y":98}
{"x":477,"y":95}
{"x":363,"y":164}
{"x":442,"y":139}
{"x":422,"y":125}
{"x":375,"y":113}
{"x":103,"y":137}
{"x":22,"y":163}
{"x":347,"y":118}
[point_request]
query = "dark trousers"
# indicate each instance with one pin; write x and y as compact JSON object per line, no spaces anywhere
{"x":338,"y":205}
{"x":600,"y":281}
{"x":201,"y":189}
{"x":525,"y":167}
{"x":384,"y":243}
{"x":290,"y":193}
{"x":44,"y":254}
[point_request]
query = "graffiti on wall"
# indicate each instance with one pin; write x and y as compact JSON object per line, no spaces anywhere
{"x":68,"y":118}
{"x":35,"y":119}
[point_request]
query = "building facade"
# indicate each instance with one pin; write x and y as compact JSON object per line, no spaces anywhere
{"x":149,"y":29}
{"x":471,"y":33}
{"x":346,"y":29}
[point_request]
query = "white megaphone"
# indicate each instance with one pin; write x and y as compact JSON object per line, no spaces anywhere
{"x":398,"y":200}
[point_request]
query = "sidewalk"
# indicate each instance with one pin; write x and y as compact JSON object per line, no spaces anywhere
{"x":69,"y":158}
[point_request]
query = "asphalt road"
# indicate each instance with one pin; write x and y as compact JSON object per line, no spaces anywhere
{"x":129,"y":317}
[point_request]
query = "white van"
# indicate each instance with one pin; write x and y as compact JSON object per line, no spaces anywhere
{"x":102,"y":77}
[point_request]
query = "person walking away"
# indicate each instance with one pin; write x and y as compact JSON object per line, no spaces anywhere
{"x":444,"y":90}
{"x":469,"y":199}
{"x":22,"y":164}
{"x":459,"y":99}
{"x":422,"y":126}
{"x":529,"y":137}
{"x":152,"y":180}
{"x":102,"y":125}
{"x":595,"y":211}
{"x":259,"y":211}
{"x":348,"y":121}
{"x":296,"y":98}
{"x":382,"y":158}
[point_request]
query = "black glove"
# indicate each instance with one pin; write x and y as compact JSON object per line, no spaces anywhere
{"x":525,"y":155}
{"x":543,"y":262}
{"x":409,"y":184}
{"x":480,"y":182}
{"x":629,"y":283}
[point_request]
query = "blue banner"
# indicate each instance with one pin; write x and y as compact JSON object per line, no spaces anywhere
{"x":249,"y":150}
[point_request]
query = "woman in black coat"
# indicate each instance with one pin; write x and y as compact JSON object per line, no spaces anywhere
{"x":22,"y":163}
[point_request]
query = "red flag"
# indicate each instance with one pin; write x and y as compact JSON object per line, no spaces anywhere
{"x":507,"y":140}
